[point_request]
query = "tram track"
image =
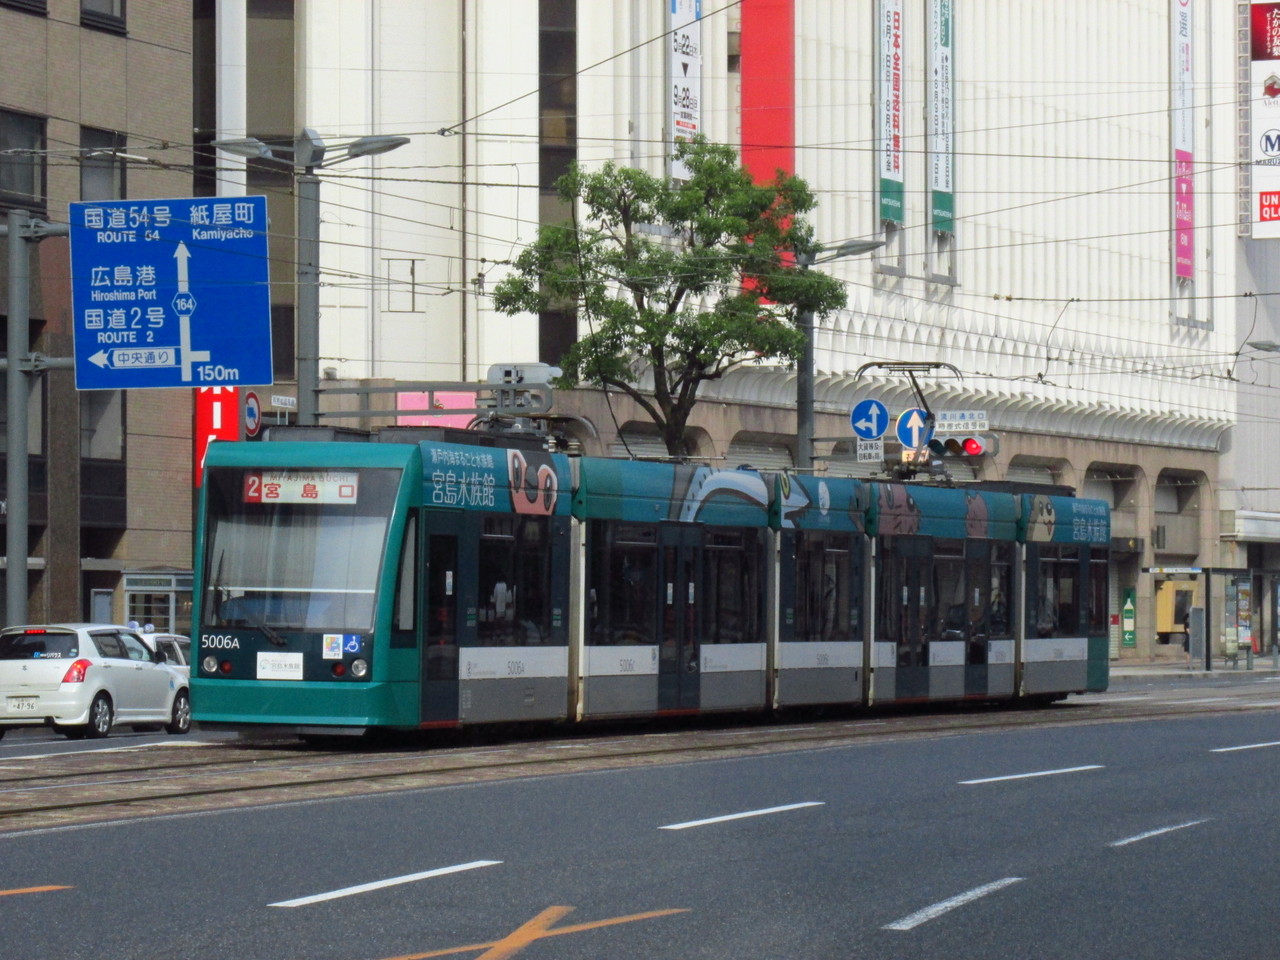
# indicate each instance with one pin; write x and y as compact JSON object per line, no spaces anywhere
{"x":87,"y":787}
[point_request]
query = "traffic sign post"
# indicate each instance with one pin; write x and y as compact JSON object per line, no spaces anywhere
{"x":170,"y":293}
{"x":869,"y":419}
{"x":914,"y":429}
{"x":252,"y":414}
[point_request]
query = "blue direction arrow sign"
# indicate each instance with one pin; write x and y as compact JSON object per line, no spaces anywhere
{"x":171,"y":293}
{"x":912,"y":429}
{"x":870,"y":419}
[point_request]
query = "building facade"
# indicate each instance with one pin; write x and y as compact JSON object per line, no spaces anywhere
{"x":95,"y":104}
{"x":1066,"y":212}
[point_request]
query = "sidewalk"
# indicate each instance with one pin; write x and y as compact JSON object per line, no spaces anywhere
{"x":1181,"y":666}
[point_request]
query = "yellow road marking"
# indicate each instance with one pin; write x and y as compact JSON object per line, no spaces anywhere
{"x":11,"y":893}
{"x":538,"y":928}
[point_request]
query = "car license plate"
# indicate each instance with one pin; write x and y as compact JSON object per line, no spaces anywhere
{"x":23,"y":704}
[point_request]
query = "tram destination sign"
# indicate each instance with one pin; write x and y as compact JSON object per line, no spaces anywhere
{"x":171,"y":293}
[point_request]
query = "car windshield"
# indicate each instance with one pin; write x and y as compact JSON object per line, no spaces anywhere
{"x":39,"y":646}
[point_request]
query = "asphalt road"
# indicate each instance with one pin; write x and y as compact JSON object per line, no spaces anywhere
{"x":1109,"y":840}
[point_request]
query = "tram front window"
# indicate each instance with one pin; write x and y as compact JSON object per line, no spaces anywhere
{"x":296,"y":549}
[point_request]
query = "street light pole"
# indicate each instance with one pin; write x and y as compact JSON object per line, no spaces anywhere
{"x":805,"y":370}
{"x":308,"y":360}
{"x":306,"y":156}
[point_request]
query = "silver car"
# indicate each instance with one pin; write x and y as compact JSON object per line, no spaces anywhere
{"x":82,"y":678}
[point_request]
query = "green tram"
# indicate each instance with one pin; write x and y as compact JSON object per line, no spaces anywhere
{"x":344,"y":586}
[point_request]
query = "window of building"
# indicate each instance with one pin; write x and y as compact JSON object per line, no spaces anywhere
{"x":103,"y":14}
{"x":31,"y":6}
{"x":102,"y":424}
{"x":22,"y":161}
{"x":162,"y":600}
{"x":102,"y":171}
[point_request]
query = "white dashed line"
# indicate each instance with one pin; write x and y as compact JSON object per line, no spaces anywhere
{"x":938,"y":909}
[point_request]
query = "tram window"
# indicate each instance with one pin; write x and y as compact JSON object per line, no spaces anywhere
{"x":949,"y":616}
{"x":1058,"y":607}
{"x":622,"y":583}
{"x":1099,"y":609}
{"x":406,"y":582}
{"x":824,"y":586}
{"x":514,"y":582}
{"x":732,"y":591}
{"x":891,"y":598}
{"x":1000,"y":597}
{"x":295,"y":565}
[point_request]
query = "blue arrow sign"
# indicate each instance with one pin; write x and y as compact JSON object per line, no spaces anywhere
{"x":912,"y":429}
{"x":870,"y":419}
{"x":171,"y":293}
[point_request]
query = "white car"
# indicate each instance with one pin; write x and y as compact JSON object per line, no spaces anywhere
{"x":82,"y":678}
{"x":176,"y":647}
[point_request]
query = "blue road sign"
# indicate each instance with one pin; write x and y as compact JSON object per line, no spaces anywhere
{"x":171,"y":293}
{"x":912,"y":429}
{"x":870,"y":419}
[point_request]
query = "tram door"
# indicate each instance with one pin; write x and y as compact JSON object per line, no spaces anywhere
{"x":439,"y":623}
{"x":915,"y":586}
{"x":679,"y":660}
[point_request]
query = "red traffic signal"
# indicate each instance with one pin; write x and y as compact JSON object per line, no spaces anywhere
{"x":974,"y":445}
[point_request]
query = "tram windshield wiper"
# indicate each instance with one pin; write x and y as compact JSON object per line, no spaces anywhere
{"x":244,"y":611}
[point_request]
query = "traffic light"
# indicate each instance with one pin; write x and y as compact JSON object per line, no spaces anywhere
{"x":965,"y":447}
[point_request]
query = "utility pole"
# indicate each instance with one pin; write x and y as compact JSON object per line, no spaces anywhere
{"x":20,"y":363}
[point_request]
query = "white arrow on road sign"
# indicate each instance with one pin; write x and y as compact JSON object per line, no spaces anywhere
{"x":123,"y":358}
{"x":913,"y":431}
{"x":869,"y":419}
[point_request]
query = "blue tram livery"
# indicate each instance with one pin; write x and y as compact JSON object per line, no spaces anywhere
{"x":347,"y":586}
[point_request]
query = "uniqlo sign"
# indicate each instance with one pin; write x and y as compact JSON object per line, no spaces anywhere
{"x":217,"y":417}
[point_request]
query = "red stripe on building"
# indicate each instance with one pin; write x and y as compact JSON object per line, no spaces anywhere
{"x":768,"y":88}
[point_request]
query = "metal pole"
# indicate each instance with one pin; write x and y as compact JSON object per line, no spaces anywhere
{"x":308,"y":297}
{"x":804,"y":383}
{"x":804,"y":396}
{"x":1208,"y":619}
{"x":16,"y":492}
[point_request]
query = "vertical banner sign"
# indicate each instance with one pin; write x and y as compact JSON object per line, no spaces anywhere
{"x":889,"y":111}
{"x":1129,"y":619}
{"x":1184,"y":142}
{"x":684,"y":72}
{"x":217,"y":417}
{"x":942,"y":117}
{"x":1264,"y":118}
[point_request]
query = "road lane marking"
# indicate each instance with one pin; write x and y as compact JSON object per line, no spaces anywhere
{"x":540,"y":927}
{"x":1246,"y":746}
{"x":938,"y":909}
{"x":1037,"y":773}
{"x":379,"y":884}
{"x":1200,"y":700}
{"x":14,"y":893}
{"x":741,"y":816}
{"x":1155,"y":833}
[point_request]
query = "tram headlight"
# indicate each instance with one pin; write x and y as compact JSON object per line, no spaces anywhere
{"x":210,"y":664}
{"x":359,"y":669}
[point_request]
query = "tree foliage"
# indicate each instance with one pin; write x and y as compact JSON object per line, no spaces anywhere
{"x":682,"y":280}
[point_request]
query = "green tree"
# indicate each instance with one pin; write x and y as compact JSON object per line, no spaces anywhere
{"x":683,"y":280}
